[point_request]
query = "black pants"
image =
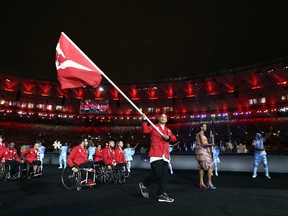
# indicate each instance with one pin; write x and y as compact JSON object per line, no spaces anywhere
{"x":159,"y":174}
{"x":99,"y":163}
{"x":88,"y":164}
{"x":14,"y":166}
{"x":120,"y":166}
{"x":36,"y":163}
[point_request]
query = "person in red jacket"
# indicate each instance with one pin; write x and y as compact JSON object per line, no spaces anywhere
{"x":120,"y":159}
{"x":9,"y":155}
{"x":79,"y":157}
{"x":159,"y":157}
{"x":98,"y":158}
{"x":33,"y":157}
{"x":119,"y":154}
{"x":109,"y":155}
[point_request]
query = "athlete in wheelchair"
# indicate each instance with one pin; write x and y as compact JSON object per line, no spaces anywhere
{"x":32,"y":166}
{"x":121,"y":162}
{"x":102,"y":174}
{"x":79,"y":172}
{"x":10,"y":163}
{"x":110,"y":158}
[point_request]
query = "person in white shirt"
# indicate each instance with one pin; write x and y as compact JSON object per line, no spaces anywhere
{"x":63,"y":156}
{"x":260,"y":154}
{"x":91,"y":151}
{"x":129,"y":152}
{"x":42,"y":152}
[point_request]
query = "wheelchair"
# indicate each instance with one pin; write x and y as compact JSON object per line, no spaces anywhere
{"x":28,"y":170}
{"x":5,"y":172}
{"x":73,"y":180}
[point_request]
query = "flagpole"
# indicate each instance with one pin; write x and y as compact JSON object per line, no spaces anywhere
{"x":115,"y":86}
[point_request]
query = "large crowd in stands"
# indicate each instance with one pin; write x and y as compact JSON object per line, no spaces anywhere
{"x":231,"y":136}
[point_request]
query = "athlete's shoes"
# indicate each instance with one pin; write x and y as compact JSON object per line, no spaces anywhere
{"x":165,"y":198}
{"x":254,"y":176}
{"x":144,"y":190}
{"x":90,"y":183}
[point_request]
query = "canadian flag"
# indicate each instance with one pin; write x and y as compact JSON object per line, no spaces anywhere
{"x":74,"y":68}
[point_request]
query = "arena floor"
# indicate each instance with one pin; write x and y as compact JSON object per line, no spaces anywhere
{"x":236,"y":194}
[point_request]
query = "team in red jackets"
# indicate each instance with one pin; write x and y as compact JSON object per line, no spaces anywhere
{"x":9,"y":155}
{"x":79,"y":157}
{"x":33,"y":157}
{"x":159,"y":157}
{"x":109,"y":155}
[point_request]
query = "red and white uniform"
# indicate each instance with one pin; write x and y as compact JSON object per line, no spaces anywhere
{"x":159,"y":147}
{"x":32,"y":154}
{"x":98,"y":155}
{"x":119,"y":156}
{"x":109,"y":156}
{"x":78,"y":155}
{"x":8,"y":154}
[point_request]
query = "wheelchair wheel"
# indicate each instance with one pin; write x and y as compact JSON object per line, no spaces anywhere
{"x":103,"y":174}
{"x":2,"y":171}
{"x":118,"y":176}
{"x":26,"y":170}
{"x":70,"y":179}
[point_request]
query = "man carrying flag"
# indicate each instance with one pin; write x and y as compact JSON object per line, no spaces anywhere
{"x":76,"y":70}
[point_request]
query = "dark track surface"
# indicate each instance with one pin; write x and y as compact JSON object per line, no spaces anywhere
{"x":236,"y":194}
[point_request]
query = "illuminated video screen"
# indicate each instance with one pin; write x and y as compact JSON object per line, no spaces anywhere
{"x":94,"y":107}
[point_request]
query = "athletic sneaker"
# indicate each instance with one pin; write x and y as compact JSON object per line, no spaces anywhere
{"x":267,"y":176}
{"x":144,"y":190}
{"x":254,"y":176}
{"x":165,"y":198}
